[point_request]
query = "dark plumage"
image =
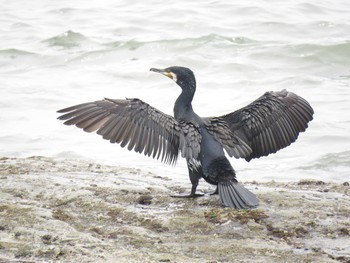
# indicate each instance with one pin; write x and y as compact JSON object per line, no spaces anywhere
{"x":265,"y":126}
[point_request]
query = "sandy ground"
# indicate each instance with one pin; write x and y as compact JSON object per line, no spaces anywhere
{"x":76,"y":211}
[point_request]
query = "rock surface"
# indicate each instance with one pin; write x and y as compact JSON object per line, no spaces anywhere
{"x":77,"y":211}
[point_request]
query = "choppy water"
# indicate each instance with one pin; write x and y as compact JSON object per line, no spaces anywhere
{"x":55,"y":54}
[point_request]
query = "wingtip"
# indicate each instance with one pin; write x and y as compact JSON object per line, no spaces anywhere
{"x":60,"y":111}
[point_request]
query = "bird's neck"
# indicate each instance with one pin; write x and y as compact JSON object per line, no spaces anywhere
{"x":183,"y":106}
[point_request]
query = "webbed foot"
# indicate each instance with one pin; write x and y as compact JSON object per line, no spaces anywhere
{"x":187,"y":195}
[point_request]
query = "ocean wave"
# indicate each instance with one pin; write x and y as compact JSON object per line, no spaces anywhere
{"x":68,"y":39}
{"x":216,"y":46}
{"x":330,"y":162}
{"x":183,"y":42}
{"x":13,"y":53}
{"x":179,"y":45}
{"x":336,"y":53}
{"x":13,"y":59}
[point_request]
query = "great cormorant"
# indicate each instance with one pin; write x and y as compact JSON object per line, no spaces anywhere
{"x":265,"y":126}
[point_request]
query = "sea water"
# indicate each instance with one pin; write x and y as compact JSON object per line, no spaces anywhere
{"x":54,"y":54}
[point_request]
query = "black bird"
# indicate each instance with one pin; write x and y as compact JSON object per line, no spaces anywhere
{"x":265,"y":126}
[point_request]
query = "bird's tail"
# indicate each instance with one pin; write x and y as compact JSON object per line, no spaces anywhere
{"x":235,"y":195}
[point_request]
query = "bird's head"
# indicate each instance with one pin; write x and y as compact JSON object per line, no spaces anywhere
{"x":184,"y":77}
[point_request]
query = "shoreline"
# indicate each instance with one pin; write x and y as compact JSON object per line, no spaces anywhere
{"x":69,"y":210}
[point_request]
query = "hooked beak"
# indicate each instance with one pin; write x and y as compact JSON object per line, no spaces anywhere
{"x":169,"y":74}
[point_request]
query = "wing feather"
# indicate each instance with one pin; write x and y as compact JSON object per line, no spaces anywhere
{"x":271,"y":122}
{"x":233,"y":145}
{"x":137,"y":125}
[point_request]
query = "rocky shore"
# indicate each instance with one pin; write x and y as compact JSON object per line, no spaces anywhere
{"x":78,"y":211}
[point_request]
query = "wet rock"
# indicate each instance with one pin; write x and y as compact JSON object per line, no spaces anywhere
{"x":345,"y":231}
{"x":144,"y":200}
{"x":311,"y":182}
{"x":47,"y":239}
{"x":64,"y":210}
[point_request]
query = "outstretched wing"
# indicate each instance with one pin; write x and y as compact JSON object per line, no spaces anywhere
{"x":134,"y":123}
{"x":271,"y":122}
{"x":233,"y":145}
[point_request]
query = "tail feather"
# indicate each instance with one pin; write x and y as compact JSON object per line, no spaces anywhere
{"x":235,"y":195}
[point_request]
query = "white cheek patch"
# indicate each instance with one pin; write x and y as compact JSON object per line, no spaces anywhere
{"x":173,"y":76}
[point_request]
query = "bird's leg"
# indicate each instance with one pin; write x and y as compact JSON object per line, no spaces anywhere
{"x":194,"y":177}
{"x":193,"y":193}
